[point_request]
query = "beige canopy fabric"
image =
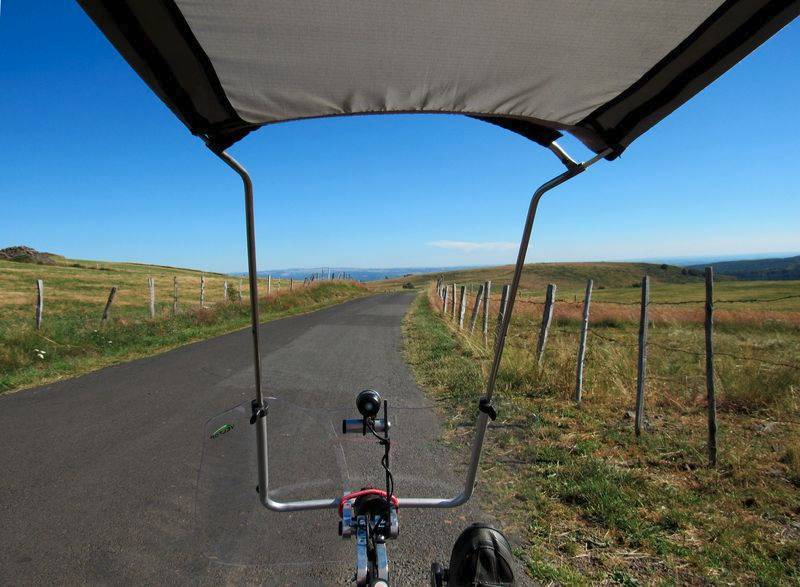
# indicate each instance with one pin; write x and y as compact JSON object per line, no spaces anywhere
{"x":603,"y":70}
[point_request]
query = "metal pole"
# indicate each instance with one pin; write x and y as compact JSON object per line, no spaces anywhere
{"x":483,"y":418}
{"x":587,"y":299}
{"x":261,"y":422}
{"x":642,"y":359}
{"x":710,"y":392}
{"x":523,"y":251}
{"x":252,"y":268}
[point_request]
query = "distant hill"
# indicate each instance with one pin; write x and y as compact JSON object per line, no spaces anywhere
{"x":572,"y":276}
{"x":758,"y":269}
{"x":357,"y":273}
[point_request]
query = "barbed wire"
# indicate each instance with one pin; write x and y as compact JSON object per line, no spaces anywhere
{"x":659,"y":303}
{"x":619,"y":342}
{"x":695,"y":353}
{"x":699,"y":302}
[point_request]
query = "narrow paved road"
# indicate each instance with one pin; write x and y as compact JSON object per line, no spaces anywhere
{"x":99,"y":474}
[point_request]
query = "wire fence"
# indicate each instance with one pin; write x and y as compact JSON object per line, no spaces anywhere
{"x":454,"y":301}
{"x":690,"y":352}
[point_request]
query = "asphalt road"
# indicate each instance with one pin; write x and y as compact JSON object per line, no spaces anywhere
{"x":101,"y":481}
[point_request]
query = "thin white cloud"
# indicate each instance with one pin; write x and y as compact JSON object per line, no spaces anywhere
{"x":469,"y":247}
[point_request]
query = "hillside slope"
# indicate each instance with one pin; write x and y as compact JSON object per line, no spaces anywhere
{"x":71,"y":284}
{"x":760,"y":269}
{"x":568,"y":276}
{"x":73,"y":340}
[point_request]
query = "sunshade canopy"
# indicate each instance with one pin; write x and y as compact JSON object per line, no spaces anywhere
{"x":603,"y":70}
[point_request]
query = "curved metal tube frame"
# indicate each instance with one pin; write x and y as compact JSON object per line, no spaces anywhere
{"x":573,"y":169}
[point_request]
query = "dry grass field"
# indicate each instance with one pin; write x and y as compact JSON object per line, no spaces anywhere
{"x":588,"y":502}
{"x":72,"y":339}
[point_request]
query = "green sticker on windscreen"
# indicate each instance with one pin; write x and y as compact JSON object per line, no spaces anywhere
{"x":222,"y":430}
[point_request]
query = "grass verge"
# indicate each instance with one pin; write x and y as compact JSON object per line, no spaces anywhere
{"x":73,"y":342}
{"x":588,"y":503}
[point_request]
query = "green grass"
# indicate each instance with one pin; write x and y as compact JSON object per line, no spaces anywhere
{"x":588,"y":503}
{"x":72,"y":340}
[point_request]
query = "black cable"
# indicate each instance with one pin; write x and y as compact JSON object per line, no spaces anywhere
{"x":385,"y":442}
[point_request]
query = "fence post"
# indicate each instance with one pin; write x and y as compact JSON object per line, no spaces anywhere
{"x":202,"y":291}
{"x":107,"y":310}
{"x":454,"y":301}
{"x":547,"y":318}
{"x":710,"y":393}
{"x":291,"y":284}
{"x":444,"y":302}
{"x":587,"y":299}
{"x":501,"y":314}
{"x":462,"y":306}
{"x":269,"y":284}
{"x":225,"y":291}
{"x":174,"y":295}
{"x":39,"y":303}
{"x":487,"y":296}
{"x":475,"y":308}
{"x":151,"y":286}
{"x":641,"y":363}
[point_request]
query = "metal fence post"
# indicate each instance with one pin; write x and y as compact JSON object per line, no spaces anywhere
{"x":487,"y":296}
{"x":462,"y":303}
{"x":547,"y":318}
{"x":475,"y":309}
{"x":503,"y":305}
{"x":710,"y":392}
{"x":174,"y":295}
{"x":39,"y":303}
{"x":642,"y":360}
{"x":587,"y":299}
{"x":107,"y":310}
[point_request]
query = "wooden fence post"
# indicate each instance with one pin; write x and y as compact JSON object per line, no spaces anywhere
{"x":269,"y":284}
{"x":502,"y":313}
{"x":39,"y":303}
{"x":710,"y":393}
{"x":454,"y":301}
{"x":587,"y":299}
{"x":291,"y":284}
{"x":641,"y":363}
{"x":151,"y":286}
{"x":475,"y":309}
{"x":225,"y":291}
{"x":174,"y":295}
{"x":444,"y":302}
{"x":462,"y":306}
{"x":202,"y":290}
{"x":547,"y":318}
{"x":107,"y":310}
{"x":487,"y":296}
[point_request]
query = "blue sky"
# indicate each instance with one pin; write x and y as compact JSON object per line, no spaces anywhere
{"x":94,"y":166}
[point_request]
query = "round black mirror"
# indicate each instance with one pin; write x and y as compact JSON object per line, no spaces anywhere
{"x":368,"y":403}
